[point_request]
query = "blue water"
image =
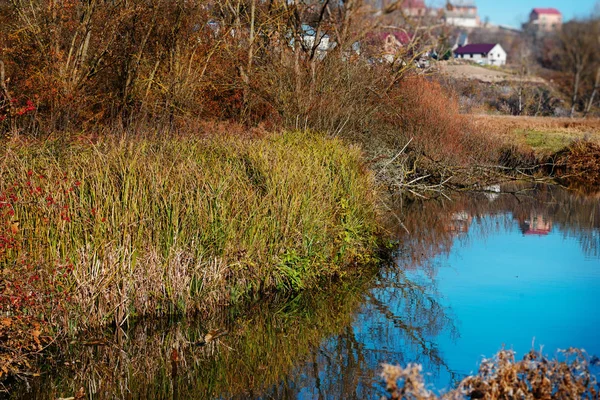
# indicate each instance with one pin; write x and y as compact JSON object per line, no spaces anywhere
{"x":509,"y":275}
{"x":519,"y":291}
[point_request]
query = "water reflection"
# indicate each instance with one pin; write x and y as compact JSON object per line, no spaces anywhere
{"x":317,"y":345}
{"x":430,"y":228}
{"x":471,"y":274}
{"x":515,"y":268}
{"x":519,"y":267}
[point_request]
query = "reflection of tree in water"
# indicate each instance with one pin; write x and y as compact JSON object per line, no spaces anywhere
{"x":401,"y":319}
{"x":274,"y":349}
{"x":398,"y":323}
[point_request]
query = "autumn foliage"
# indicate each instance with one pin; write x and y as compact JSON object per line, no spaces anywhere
{"x":34,"y":290}
{"x":80,"y":65}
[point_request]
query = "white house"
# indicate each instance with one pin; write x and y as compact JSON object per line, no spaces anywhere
{"x":482,"y":53}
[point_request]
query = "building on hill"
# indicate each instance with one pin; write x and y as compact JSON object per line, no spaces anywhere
{"x":386,"y":45}
{"x":482,"y":53}
{"x":461,"y":39}
{"x":414,"y":8}
{"x":461,"y":13}
{"x":544,"y":20}
{"x":410,"y":8}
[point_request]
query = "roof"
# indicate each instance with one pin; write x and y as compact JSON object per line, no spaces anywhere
{"x":413,"y":4}
{"x":401,"y":36}
{"x":475,"y":48}
{"x":539,"y":232}
{"x":551,"y":11}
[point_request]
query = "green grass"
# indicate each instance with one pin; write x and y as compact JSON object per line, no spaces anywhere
{"x":547,"y":142}
{"x":145,"y":226}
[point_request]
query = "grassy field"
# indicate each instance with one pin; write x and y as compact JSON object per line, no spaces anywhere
{"x":484,"y":73}
{"x":96,"y":233}
{"x":542,"y":134}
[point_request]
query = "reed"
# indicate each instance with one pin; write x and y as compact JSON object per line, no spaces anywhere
{"x":97,"y":233}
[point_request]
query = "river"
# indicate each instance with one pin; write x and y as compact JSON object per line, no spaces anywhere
{"x":472,"y":273}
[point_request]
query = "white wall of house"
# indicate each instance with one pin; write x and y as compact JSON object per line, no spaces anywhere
{"x":309,"y":41}
{"x":496,"y":56}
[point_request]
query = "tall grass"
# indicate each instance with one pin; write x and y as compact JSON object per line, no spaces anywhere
{"x":124,"y":227}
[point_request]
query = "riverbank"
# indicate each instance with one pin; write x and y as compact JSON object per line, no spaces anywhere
{"x":543,"y":135}
{"x":97,"y":231}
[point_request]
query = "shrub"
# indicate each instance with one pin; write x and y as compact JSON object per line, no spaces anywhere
{"x":502,"y":377}
{"x":171,"y":62}
{"x":578,"y":164}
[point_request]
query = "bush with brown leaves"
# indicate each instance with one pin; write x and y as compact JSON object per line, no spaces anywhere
{"x":503,"y":377}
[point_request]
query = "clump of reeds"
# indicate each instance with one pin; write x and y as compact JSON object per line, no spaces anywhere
{"x":502,"y":377}
{"x":99,"y":233}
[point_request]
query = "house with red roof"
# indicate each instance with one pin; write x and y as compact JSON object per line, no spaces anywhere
{"x":538,"y":225}
{"x":544,"y":20}
{"x":482,"y":53}
{"x":414,"y":8}
{"x":387,"y":44}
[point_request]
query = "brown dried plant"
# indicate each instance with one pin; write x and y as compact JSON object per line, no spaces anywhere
{"x":502,"y":377}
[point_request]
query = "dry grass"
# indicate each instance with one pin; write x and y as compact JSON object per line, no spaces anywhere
{"x":579,"y":165}
{"x":486,"y":74}
{"x":502,"y":377}
{"x":507,"y":124}
{"x":544,"y":135}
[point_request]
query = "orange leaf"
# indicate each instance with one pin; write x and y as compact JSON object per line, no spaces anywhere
{"x":36,"y":332}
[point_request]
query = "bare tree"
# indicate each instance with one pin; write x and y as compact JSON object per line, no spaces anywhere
{"x":595,"y":41}
{"x":576,"y":51}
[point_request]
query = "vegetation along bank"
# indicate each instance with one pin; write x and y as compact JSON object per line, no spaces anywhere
{"x":95,"y":233}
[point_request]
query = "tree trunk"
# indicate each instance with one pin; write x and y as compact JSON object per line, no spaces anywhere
{"x":248,"y":74}
{"x":594,"y":92}
{"x":575,"y":90}
{"x":297,"y":72}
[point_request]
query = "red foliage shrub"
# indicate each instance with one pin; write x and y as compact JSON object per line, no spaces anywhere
{"x":35,"y":291}
{"x":431,"y":117}
{"x":579,"y":164}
